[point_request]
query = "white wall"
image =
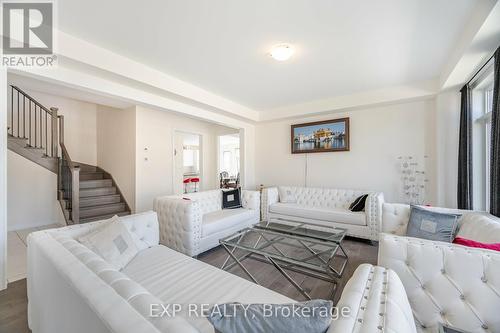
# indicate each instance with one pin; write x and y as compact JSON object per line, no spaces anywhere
{"x":447,"y":122}
{"x":154,"y":131}
{"x":31,"y":194}
{"x":116,"y":148}
{"x":79,"y":125}
{"x":378,"y":136}
{"x":31,"y":188}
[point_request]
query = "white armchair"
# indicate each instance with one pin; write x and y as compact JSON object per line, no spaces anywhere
{"x":446,"y":283}
{"x":195,"y":225}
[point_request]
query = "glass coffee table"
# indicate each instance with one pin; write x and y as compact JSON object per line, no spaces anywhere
{"x":312,"y":250}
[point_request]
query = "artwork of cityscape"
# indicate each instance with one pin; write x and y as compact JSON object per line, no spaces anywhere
{"x":321,"y":136}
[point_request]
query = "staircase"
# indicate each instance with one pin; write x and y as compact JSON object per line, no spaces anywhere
{"x":86,"y":193}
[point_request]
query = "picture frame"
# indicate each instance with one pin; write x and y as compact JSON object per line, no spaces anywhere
{"x":320,"y":136}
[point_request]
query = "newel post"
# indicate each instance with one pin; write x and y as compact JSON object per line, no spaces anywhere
{"x":75,"y":195}
{"x":54,"y":129}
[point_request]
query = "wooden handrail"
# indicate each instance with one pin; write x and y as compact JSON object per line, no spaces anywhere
{"x":32,"y":99}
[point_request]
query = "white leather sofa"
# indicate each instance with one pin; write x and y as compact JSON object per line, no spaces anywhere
{"x":446,"y":283}
{"x":196,"y":225}
{"x":71,"y":289}
{"x":326,"y":207}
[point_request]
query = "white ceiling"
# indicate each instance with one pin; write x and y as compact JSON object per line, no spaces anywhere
{"x":28,"y":83}
{"x":342,"y":47}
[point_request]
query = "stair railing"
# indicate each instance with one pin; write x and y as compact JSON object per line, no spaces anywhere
{"x":33,"y":122}
{"x":44,"y":129}
{"x":68,"y":178}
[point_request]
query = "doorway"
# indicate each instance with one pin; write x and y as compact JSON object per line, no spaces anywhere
{"x":229,"y":160}
{"x":187,"y":162}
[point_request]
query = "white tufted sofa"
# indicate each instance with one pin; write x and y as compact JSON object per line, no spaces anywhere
{"x":71,"y":289}
{"x":194,"y":226}
{"x":328,"y":207}
{"x":446,"y":283}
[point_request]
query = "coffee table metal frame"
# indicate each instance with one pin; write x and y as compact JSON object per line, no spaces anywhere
{"x":270,"y":236}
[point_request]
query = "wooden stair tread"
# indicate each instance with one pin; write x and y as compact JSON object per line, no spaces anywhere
{"x":103,"y":217}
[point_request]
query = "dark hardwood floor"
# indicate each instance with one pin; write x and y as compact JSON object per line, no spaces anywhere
{"x":13,"y":300}
{"x":13,"y":308}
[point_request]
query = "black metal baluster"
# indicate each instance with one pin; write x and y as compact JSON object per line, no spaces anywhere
{"x":46,"y":136}
{"x":41,"y":128}
{"x":30,"y":124}
{"x":12,"y":111}
{"x":18,"y":114}
{"x":24,"y":116}
{"x":35,"y":127}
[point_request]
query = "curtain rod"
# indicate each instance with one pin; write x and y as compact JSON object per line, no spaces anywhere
{"x":480,"y":69}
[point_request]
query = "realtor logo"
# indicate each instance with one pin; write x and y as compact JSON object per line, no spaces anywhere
{"x":28,"y":30}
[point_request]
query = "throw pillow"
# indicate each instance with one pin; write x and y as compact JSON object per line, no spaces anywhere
{"x":231,"y":199}
{"x":358,"y":205}
{"x":313,"y":317}
{"x":471,"y":243}
{"x":287,"y":196}
{"x":431,"y":225}
{"x":113,"y":243}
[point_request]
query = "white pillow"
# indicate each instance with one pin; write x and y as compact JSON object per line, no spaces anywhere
{"x":287,"y":196}
{"x":480,"y":228}
{"x":113,"y":243}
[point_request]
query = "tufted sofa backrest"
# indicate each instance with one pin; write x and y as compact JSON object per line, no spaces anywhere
{"x":446,"y":283}
{"x":208,"y":201}
{"x":143,"y":226}
{"x":323,"y":197}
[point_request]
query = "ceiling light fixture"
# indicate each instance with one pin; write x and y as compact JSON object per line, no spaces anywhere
{"x":281,"y":52}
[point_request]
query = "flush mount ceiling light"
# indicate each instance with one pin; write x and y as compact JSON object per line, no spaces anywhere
{"x":281,"y":52}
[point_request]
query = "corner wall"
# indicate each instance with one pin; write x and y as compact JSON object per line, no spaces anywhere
{"x":378,"y":136}
{"x":154,"y":147}
{"x":116,"y":148}
{"x":32,"y":195}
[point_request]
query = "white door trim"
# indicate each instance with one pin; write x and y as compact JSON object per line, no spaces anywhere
{"x":202,"y":175}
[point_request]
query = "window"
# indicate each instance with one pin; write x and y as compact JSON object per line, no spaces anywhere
{"x":482,"y":106}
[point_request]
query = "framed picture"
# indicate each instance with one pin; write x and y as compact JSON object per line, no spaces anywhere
{"x":321,"y":136}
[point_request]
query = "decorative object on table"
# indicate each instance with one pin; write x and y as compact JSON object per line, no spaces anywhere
{"x":308,"y":249}
{"x":358,"y":205}
{"x":320,"y":136}
{"x":414,"y":179}
{"x":231,"y":199}
{"x":312,"y":316}
{"x":432,"y":225}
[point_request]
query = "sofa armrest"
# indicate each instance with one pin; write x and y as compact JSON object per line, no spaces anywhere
{"x":373,"y":300}
{"x":250,"y":199}
{"x":446,"y":283}
{"x":269,"y":196}
{"x":180,"y":224}
{"x":373,"y":210}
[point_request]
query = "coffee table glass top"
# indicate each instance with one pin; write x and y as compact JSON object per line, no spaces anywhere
{"x":287,"y":248}
{"x":305,"y":229}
